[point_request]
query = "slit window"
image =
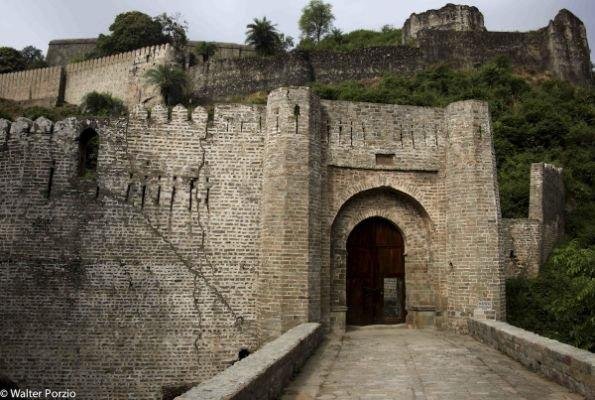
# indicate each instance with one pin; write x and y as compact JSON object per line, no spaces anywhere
{"x":88,"y":152}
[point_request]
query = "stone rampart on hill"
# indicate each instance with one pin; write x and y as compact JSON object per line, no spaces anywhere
{"x":559,"y":50}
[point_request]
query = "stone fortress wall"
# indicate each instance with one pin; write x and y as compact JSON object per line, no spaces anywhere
{"x":66,"y":51}
{"x":442,"y":36}
{"x":453,"y":35}
{"x":528,"y":242}
{"x":197,"y":237}
{"x":120,"y":74}
{"x":37,"y":86}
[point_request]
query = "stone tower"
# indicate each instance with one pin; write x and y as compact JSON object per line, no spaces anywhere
{"x":475,"y":279}
{"x":451,"y":17}
{"x":290,"y":212}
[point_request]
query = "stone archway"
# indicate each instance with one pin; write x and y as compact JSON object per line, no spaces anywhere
{"x":414,"y":224}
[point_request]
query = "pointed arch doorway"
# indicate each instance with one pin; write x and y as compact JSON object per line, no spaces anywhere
{"x":375,"y":274}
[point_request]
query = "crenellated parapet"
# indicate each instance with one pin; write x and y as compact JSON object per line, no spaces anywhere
{"x":121,"y":74}
{"x":37,"y":86}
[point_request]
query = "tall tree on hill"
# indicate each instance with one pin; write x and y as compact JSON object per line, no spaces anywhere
{"x":263,"y":35}
{"x":316,"y":20}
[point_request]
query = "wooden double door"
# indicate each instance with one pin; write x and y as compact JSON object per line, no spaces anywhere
{"x":375,"y":274}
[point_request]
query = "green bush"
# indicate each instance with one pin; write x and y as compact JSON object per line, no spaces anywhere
{"x":102,"y":105}
{"x":338,"y":41}
{"x":559,"y":302}
{"x":35,"y":112}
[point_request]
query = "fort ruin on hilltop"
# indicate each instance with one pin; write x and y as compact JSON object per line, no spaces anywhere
{"x":147,"y":251}
{"x":453,"y":35}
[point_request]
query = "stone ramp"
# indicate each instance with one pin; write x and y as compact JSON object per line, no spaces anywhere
{"x":394,"y":362}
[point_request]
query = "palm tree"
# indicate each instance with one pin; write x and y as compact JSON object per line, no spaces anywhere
{"x":263,"y":35}
{"x":171,"y":81}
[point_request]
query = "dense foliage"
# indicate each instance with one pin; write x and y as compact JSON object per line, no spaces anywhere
{"x":339,"y":41}
{"x":11,"y":110}
{"x":134,"y":29}
{"x":93,"y":104}
{"x":545,"y":121}
{"x":559,"y":302}
{"x":12,"y":60}
{"x":102,"y":105}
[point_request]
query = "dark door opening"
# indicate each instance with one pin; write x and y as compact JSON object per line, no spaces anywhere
{"x":375,"y":274}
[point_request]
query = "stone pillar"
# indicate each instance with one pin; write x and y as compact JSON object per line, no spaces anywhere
{"x":289,"y":279}
{"x":546,"y":205}
{"x":475,"y":275}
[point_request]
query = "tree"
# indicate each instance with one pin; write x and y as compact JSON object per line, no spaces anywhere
{"x":205,"y":50}
{"x":11,"y":60}
{"x":131,"y":30}
{"x":263,"y":35}
{"x":33,"y":57}
{"x":174,"y":29}
{"x":316,"y":20}
{"x":171,"y":81}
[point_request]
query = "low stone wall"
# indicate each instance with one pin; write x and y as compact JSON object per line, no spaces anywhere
{"x":264,"y":374}
{"x":565,"y":364}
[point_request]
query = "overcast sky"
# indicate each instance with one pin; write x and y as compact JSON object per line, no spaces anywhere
{"x":36,"y":22}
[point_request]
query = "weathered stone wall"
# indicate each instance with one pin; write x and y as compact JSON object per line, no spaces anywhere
{"x":455,"y":37}
{"x":264,"y":374}
{"x":570,"y":56}
{"x":141,"y":278}
{"x":37,"y":86}
{"x":122,"y":75}
{"x":565,"y":364}
{"x":527,"y":242}
{"x":196,"y":238}
{"x":64,"y":51}
{"x":521,"y":246}
{"x":291,"y":206}
{"x":560,"y":50}
{"x":547,"y":204}
{"x":449,"y":18}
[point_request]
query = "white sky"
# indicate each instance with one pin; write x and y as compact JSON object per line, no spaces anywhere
{"x":36,"y":22}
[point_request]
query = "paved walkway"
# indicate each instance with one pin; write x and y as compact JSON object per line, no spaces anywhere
{"x":393,"y":362}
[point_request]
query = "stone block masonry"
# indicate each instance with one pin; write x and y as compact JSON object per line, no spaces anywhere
{"x":122,"y":75}
{"x":449,"y":18}
{"x":566,"y":365}
{"x":264,"y":374}
{"x":194,"y":237}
